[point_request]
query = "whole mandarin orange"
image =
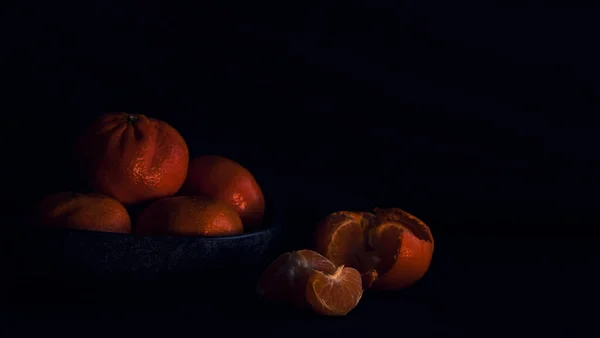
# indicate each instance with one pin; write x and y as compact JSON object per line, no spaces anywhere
{"x":226,"y":180}
{"x":133,"y":158}
{"x":189,"y":215}
{"x":93,"y":211}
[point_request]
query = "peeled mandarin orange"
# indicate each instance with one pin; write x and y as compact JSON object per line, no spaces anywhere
{"x":341,"y":237}
{"x":392,"y":249}
{"x":228,"y":181}
{"x":285,"y":279}
{"x":334,"y":294}
{"x":187,"y":215}
{"x":84,"y":212}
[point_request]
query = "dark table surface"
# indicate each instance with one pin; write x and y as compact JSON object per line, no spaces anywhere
{"x":476,"y":286}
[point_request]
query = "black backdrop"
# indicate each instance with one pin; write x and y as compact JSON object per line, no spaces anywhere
{"x":478,"y":113}
{"x":477,"y":116}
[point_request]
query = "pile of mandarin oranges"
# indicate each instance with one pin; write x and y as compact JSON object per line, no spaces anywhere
{"x":132,"y":160}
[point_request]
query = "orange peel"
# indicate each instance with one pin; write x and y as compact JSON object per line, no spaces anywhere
{"x":392,"y":249}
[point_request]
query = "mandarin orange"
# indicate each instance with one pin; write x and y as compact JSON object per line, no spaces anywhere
{"x":226,"y":180}
{"x":189,"y":215}
{"x":93,"y":211}
{"x":133,"y":158}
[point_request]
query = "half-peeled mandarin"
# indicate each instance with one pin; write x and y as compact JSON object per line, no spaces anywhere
{"x":334,"y":294}
{"x":391,"y":249}
{"x":405,"y":246}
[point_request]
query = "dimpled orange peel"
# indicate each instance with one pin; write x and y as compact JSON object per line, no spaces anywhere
{"x":189,"y":216}
{"x":133,"y":158}
{"x":225,"y":180}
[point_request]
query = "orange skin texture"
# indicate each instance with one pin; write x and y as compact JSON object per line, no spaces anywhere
{"x":93,"y":211}
{"x":133,"y":158}
{"x":189,"y":216}
{"x":409,"y":240}
{"x":226,"y":180}
{"x":391,"y":248}
{"x":334,"y":294}
{"x":286,"y":278}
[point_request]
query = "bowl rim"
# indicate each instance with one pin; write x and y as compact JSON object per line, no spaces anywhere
{"x":273,"y":227}
{"x":196,"y":237}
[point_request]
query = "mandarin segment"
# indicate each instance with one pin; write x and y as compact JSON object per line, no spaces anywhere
{"x":334,"y":294}
{"x":341,"y":236}
{"x":315,"y":261}
{"x":285,"y":279}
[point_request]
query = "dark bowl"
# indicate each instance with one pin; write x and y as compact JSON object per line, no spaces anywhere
{"x":73,"y":264}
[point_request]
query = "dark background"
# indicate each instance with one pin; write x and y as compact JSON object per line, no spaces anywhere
{"x":476,"y":116}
